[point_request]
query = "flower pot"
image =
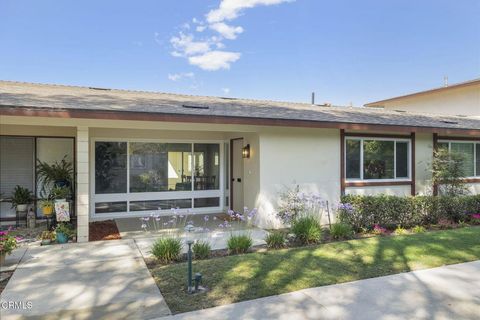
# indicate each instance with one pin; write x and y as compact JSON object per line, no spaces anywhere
{"x":22,"y":207}
{"x":47,"y":210}
{"x":62,"y":237}
{"x":2,"y":258}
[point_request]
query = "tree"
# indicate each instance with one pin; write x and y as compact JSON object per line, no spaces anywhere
{"x":448,"y":172}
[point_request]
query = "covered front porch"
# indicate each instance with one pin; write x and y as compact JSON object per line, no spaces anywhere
{"x":125,"y":170}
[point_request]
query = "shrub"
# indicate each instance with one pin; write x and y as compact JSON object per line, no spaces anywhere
{"x":201,"y":249}
{"x":418,"y":229}
{"x":341,"y":230}
{"x":379,"y":230}
{"x":307,"y":229}
{"x":475,"y":219}
{"x":275,"y":240}
{"x":391,"y":211}
{"x":167,"y":249}
{"x":399,"y":231}
{"x":7,"y":243}
{"x":239,"y":243}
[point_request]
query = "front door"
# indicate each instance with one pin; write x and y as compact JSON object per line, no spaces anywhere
{"x":237,"y":175}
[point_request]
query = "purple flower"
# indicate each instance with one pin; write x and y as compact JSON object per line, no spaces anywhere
{"x":205,"y":218}
{"x":214,"y":218}
{"x":231,"y":212}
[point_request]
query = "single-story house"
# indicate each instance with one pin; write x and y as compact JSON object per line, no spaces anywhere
{"x":135,"y":151}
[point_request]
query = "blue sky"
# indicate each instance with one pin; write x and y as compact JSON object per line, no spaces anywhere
{"x":345,"y":51}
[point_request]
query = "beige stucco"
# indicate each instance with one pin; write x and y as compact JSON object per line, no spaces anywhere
{"x":454,"y":101}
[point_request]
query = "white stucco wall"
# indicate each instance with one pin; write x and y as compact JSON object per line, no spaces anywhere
{"x":456,"y":101}
{"x":310,"y":158}
{"x":376,"y":190}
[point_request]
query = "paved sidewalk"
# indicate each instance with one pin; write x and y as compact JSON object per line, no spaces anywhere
{"x":95,"y":280}
{"x":451,"y":292}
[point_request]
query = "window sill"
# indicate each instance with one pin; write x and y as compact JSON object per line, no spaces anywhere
{"x":377,"y":183}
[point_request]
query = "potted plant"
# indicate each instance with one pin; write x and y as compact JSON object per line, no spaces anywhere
{"x":63,"y":231}
{"x":47,"y":237}
{"x":21,"y":198}
{"x":7,"y":244}
{"x":47,"y":207}
{"x":60,"y":193}
{"x":59,"y":173}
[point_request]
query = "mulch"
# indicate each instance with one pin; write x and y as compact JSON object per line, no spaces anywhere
{"x":103,"y":230}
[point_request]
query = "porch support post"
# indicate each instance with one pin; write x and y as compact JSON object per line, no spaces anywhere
{"x":82,"y":183}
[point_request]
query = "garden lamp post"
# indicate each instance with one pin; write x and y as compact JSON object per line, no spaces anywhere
{"x":189,"y":228}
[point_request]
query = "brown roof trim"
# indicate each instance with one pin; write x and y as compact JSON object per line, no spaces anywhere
{"x":147,"y":116}
{"x":453,"y":86}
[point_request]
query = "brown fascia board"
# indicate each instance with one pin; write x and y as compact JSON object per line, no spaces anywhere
{"x":186,"y":118}
{"x":379,"y":103}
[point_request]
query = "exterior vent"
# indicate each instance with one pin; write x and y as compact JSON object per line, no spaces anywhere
{"x":195,"y":107}
{"x":101,"y":89}
{"x":449,"y":122}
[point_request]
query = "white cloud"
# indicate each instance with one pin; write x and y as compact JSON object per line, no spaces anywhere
{"x":228,"y":32}
{"x":200,"y":28}
{"x":231,"y":9}
{"x":214,"y":60}
{"x":185,"y":45}
{"x":180,"y":76}
{"x":226,"y":90}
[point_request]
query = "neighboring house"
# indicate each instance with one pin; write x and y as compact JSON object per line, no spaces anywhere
{"x":461,"y":99}
{"x":135,"y":151}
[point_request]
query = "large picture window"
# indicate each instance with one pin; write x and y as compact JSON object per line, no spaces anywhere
{"x":377,"y":159}
{"x":470,"y":152}
{"x":136,"y":176}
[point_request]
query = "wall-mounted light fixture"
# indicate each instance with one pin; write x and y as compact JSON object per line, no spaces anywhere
{"x":246,"y":152}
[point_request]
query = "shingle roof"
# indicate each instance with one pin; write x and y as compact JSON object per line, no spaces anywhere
{"x":59,"y":97}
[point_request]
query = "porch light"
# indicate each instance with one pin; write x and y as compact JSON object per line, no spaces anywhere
{"x":189,"y":239}
{"x":246,"y":152}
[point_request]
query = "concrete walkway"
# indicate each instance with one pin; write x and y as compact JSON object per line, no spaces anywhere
{"x":96,"y":280}
{"x":451,"y":292}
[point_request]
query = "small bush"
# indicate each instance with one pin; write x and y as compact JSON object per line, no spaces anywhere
{"x":341,"y":231}
{"x":201,"y":250}
{"x":399,"y":231}
{"x":275,"y":240}
{"x":307,"y":230}
{"x":238,"y":244}
{"x":167,"y":249}
{"x":379,"y":230}
{"x":418,"y":229}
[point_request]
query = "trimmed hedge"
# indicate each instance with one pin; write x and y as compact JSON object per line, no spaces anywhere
{"x":392,"y":211}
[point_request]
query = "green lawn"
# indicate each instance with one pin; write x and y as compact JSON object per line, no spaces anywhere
{"x":250,"y":276}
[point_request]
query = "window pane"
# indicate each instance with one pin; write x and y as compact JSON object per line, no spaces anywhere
{"x":378,"y":157}
{"x":352,"y":159}
{"x":466,"y":150}
{"x":206,"y":202}
{"x":478,"y":159}
{"x":207,"y":166}
{"x":109,"y":207}
{"x":402,"y":159}
{"x":158,"y":167}
{"x":110,"y":167}
{"x":160,"y":204}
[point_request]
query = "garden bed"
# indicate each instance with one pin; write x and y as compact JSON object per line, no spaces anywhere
{"x":103,"y":230}
{"x":237,"y":278}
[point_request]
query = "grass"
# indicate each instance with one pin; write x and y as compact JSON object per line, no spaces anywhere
{"x":245,"y":277}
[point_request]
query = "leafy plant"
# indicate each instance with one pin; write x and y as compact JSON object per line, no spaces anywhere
{"x":64,"y":228}
{"x":379,"y":230}
{"x":45,"y":203}
{"x":341,"y":230}
{"x":167,"y":249}
{"x":60,"y":193}
{"x":275,"y":240}
{"x":57,"y":172}
{"x":307,"y":230}
{"x":418,"y":229}
{"x":238,"y":244}
{"x":399,"y":231}
{"x":201,"y":249}
{"x":47,"y":235}
{"x":7,"y":243}
{"x":475,"y":219}
{"x":21,"y":196}
{"x":448,"y":172}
